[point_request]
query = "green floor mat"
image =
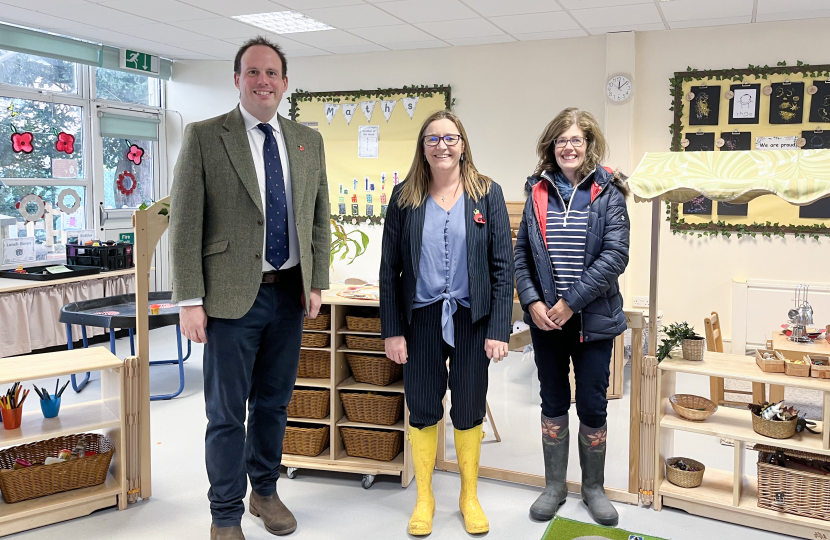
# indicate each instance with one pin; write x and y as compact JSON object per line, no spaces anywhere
{"x":566,"y":529}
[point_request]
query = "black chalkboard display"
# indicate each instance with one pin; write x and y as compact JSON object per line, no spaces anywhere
{"x":786,"y":103}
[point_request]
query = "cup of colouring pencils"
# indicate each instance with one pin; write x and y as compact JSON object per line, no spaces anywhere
{"x":11,"y":406}
{"x":50,"y":404}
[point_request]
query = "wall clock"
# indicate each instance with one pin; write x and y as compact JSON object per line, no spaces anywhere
{"x":619,"y":88}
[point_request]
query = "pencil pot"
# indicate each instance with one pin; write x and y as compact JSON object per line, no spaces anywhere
{"x":12,"y":417}
{"x":50,"y":407}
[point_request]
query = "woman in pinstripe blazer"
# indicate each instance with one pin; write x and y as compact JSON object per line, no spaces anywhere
{"x":446,"y":290}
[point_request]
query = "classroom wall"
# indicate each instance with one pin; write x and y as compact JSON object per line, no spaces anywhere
{"x":506,"y":93}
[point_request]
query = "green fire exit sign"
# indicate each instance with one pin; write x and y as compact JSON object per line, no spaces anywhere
{"x":139,"y":61}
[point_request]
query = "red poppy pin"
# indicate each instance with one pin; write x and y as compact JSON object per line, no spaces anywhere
{"x":302,"y":149}
{"x":477,"y":217}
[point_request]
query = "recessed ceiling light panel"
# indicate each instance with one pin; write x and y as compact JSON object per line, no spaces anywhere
{"x":283,"y":22}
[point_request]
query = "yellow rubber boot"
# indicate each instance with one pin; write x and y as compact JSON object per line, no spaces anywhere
{"x":424,"y":445}
{"x":468,"y":450}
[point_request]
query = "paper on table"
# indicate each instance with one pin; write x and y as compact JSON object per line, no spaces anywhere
{"x":60,"y":269}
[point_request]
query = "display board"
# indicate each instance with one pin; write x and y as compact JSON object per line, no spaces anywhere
{"x":369,"y":141}
{"x":759,"y":108}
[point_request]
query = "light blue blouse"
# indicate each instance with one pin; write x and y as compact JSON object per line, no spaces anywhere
{"x":443,"y":268}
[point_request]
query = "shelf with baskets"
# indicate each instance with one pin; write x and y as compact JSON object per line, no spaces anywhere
{"x":45,"y":496}
{"x":731,"y":495}
{"x":353,"y":352}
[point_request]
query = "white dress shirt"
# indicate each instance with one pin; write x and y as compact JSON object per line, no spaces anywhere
{"x":256,"y":139}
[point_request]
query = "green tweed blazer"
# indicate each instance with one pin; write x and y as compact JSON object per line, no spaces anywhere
{"x":217,"y":224}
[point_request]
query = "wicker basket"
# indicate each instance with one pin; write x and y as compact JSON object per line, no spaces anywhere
{"x":769,"y":365}
{"x":361,"y":324}
{"x":315,"y":340}
{"x":363,"y":343}
{"x":304,"y":440}
{"x":322,"y":322}
{"x":693,"y":349}
{"x":792,"y":491}
{"x":684,"y":479}
{"x":694,"y":408}
{"x":42,"y":480}
{"x":314,"y":365}
{"x":372,"y":444}
{"x":309,"y":403}
{"x":372,"y":408}
{"x":819,"y":365}
{"x":775,"y":429}
{"x":377,"y":370}
{"x":797,"y":370}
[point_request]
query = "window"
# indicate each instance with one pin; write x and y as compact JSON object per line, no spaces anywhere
{"x":128,"y":184}
{"x":127,"y":87}
{"x":38,"y":72}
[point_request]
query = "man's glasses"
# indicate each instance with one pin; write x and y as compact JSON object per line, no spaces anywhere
{"x":449,"y":140}
{"x":575,"y":141}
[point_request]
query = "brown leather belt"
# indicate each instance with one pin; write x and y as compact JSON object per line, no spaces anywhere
{"x":275,"y":276}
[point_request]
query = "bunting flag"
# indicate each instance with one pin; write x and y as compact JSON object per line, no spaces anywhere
{"x":409,"y":103}
{"x":348,"y":111}
{"x":367,"y":107}
{"x":387,"y":107}
{"x":331,"y":110}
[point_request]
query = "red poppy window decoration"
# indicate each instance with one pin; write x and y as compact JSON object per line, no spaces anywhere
{"x":126,"y":183}
{"x":22,"y":142}
{"x":65,"y":142}
{"x":135,"y":154}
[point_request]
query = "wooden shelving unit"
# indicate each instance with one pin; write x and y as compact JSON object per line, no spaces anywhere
{"x":731,"y":495}
{"x":334,"y":458}
{"x":107,"y":415}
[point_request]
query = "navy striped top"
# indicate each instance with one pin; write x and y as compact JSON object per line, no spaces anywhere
{"x":567,"y":229}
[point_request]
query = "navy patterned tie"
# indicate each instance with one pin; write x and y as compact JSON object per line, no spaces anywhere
{"x":276,"y":211}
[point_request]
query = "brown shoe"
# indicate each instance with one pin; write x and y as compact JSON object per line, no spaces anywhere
{"x":278,"y":519}
{"x":226,"y":533}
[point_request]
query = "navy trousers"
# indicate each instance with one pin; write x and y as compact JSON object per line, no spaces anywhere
{"x":253,"y":361}
{"x":554,"y":351}
{"x":425,"y":372}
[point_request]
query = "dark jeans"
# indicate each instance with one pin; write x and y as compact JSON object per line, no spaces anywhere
{"x":253,"y":359}
{"x":425,"y":372}
{"x":554,"y":351}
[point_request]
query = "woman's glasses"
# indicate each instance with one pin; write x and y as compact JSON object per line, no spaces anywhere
{"x":575,"y":141}
{"x":449,"y":140}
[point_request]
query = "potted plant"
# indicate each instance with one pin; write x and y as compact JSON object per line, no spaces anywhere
{"x":684,"y":335}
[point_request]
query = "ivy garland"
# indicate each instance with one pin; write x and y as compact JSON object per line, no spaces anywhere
{"x":768,"y":229}
{"x":358,"y":220}
{"x":381,"y":93}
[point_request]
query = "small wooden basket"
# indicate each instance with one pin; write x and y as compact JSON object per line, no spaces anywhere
{"x":315,"y":340}
{"x":684,"y":479}
{"x":361,"y":324}
{"x":691,"y":407}
{"x":314,"y":365}
{"x":366,"y":408}
{"x":819,"y":370}
{"x":797,"y":370}
{"x":372,"y":443}
{"x":363,"y":343}
{"x":307,"y":403}
{"x":322,"y":322}
{"x":41,"y":480}
{"x":775,"y":429}
{"x":693,"y":349}
{"x":769,"y":365}
{"x":790,"y":490}
{"x":377,"y":370}
{"x":305,"y":440}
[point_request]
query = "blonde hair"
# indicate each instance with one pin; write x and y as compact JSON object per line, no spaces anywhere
{"x":415,"y":189}
{"x":595,"y":153}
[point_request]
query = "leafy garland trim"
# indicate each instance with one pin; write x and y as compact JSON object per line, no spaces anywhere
{"x":768,"y":229}
{"x":381,"y":93}
{"x":358,"y":220}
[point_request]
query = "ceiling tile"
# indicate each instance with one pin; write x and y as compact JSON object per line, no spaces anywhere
{"x":325,"y":39}
{"x":163,"y":33}
{"x":369,"y":47}
{"x":538,"y":22}
{"x":551,"y":35}
{"x":235,"y":7}
{"x":160,"y":10}
{"x":32,"y":19}
{"x":307,"y":52}
{"x":103,"y":35}
{"x":585,"y":4}
{"x":627,"y":28}
{"x":398,"y":33}
{"x":495,"y":8}
{"x":689,"y":10}
{"x":460,"y":29}
{"x":619,"y":15}
{"x":483,"y":40}
{"x":778,"y":10}
{"x":103,"y":16}
{"x":302,"y":5}
{"x":284,"y":43}
{"x":212,"y":47}
{"x":188,"y":55}
{"x":429,"y":44}
{"x":347,"y":17}
{"x":420,"y":11}
{"x":220,"y":28}
{"x":710,"y":22}
{"x":52,"y":7}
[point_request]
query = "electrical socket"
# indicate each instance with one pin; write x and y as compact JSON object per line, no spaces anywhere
{"x":641,"y":301}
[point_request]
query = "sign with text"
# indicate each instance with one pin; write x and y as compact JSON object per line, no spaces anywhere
{"x":19,"y":250}
{"x":139,"y":61}
{"x":776,"y":143}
